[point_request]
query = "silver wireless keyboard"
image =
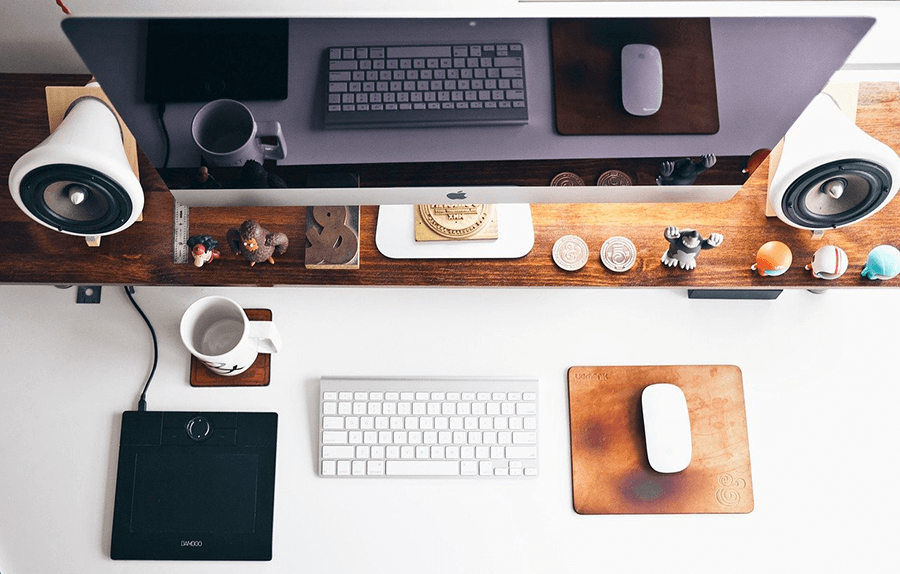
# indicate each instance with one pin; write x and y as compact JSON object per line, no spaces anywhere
{"x":404,"y":427}
{"x":428,"y":85}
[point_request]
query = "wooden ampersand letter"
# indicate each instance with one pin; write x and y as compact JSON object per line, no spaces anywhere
{"x":336,"y":242}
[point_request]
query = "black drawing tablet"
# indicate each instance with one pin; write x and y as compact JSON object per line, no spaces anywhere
{"x":195,"y":486}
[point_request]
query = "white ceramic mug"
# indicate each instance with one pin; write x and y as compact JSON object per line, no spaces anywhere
{"x":227,"y":135}
{"x":217,"y":331}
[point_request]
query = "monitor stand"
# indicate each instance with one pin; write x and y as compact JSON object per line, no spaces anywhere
{"x":395,"y":236}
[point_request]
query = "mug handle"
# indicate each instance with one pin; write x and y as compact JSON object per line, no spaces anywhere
{"x":268,"y":340}
{"x":272,"y":129}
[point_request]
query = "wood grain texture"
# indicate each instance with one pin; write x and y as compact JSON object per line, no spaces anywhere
{"x":142,"y":254}
{"x":610,"y":471}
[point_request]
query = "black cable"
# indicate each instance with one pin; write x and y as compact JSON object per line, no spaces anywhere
{"x":161,"y":112}
{"x":142,"y":402}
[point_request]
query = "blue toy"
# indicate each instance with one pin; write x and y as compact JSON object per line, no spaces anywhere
{"x":883,"y":262}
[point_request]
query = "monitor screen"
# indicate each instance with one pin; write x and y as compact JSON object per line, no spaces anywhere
{"x":731,"y":87}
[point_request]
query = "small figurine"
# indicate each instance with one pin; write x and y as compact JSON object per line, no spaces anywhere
{"x":203,"y":249}
{"x":829,"y":262}
{"x":772,"y":259}
{"x":684,"y":246}
{"x":683,"y":171}
{"x":883,"y":262}
{"x":205,"y":180}
{"x":254,"y":176}
{"x":255,"y":243}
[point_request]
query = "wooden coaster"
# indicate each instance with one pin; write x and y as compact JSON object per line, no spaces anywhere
{"x":256,"y":376}
{"x":610,"y":471}
{"x":456,"y":222}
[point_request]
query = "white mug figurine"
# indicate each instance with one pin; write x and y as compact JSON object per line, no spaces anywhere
{"x":217,"y":331}
{"x":227,"y":135}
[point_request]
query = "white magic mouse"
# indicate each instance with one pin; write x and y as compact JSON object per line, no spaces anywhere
{"x":642,"y":79}
{"x":667,"y":427}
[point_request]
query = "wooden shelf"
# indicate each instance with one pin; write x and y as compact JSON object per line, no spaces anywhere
{"x":142,"y":254}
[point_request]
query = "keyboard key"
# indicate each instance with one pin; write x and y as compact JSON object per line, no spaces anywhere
{"x":332,"y":451}
{"x":521,"y":452}
{"x":334,"y":437}
{"x":422,"y":468}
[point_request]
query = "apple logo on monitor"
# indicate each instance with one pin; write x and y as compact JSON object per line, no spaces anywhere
{"x":456,"y":195}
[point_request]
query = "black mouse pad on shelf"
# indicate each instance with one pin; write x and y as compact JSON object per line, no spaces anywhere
{"x":587,"y":76}
{"x":195,"y":486}
{"x":610,"y":471}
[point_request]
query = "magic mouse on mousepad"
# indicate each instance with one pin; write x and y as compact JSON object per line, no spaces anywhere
{"x":195,"y":486}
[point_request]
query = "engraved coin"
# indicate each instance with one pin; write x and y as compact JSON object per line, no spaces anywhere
{"x":570,"y":252}
{"x":614,"y":177}
{"x":566,"y":178}
{"x":618,"y":254}
{"x":455,"y":220}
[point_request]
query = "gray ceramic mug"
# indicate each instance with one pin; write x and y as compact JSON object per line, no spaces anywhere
{"x":227,"y":135}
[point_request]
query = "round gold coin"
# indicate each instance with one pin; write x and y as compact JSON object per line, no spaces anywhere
{"x":570,"y":252}
{"x":456,"y":220}
{"x":614,"y":177}
{"x":618,"y":254}
{"x":566,"y":178}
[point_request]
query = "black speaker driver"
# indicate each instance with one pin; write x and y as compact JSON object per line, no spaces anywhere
{"x":837,"y":193}
{"x":75,"y":199}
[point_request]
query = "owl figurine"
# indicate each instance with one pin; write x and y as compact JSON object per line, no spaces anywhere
{"x":256,"y":243}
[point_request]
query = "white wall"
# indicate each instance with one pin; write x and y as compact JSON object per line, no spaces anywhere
{"x":31,"y":40}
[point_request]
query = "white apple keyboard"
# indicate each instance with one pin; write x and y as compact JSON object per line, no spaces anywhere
{"x":428,"y":427}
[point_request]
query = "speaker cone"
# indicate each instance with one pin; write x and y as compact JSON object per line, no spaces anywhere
{"x":836,"y":194}
{"x":76,"y":199}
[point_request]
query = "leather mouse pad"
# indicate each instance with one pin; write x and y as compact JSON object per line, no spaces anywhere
{"x":587,"y":76}
{"x":610,"y":471}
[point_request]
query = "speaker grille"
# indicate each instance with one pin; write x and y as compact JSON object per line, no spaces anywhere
{"x":76,"y":199}
{"x":865,"y":187}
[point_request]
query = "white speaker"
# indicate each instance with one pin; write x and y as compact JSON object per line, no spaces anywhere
{"x":78,"y":181}
{"x":830,"y":172}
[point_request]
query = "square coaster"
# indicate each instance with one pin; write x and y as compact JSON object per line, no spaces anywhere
{"x":610,"y":471}
{"x":256,"y":376}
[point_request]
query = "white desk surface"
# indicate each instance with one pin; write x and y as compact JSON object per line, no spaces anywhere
{"x":819,"y":378}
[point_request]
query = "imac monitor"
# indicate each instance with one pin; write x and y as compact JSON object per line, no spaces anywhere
{"x":762,"y":72}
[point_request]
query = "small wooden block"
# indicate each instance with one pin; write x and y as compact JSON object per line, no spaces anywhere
{"x":443,"y":218}
{"x":256,"y":376}
{"x":332,"y":237}
{"x":59,"y":98}
{"x":610,"y":470}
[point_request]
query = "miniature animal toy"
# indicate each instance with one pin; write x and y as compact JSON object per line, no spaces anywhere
{"x":203,"y":249}
{"x":772,"y":259}
{"x":683,"y":171}
{"x":883,"y":263}
{"x":829,"y":262}
{"x":685,"y":245}
{"x":255,"y":176}
{"x":255,"y":243}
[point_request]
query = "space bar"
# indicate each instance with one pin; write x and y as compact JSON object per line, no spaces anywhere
{"x":421,"y":468}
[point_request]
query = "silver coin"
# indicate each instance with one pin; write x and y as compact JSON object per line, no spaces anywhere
{"x":618,"y":254}
{"x":614,"y":177}
{"x":570,"y":252}
{"x":567,"y":178}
